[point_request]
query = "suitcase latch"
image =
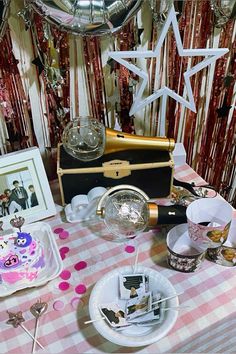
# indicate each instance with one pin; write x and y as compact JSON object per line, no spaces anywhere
{"x":116,"y":169}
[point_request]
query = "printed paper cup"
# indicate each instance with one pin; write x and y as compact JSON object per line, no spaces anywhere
{"x":182,"y":253}
{"x":209,"y":222}
{"x":225,"y":255}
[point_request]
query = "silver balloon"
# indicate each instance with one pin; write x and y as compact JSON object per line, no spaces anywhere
{"x":4,"y":12}
{"x":87,"y":17}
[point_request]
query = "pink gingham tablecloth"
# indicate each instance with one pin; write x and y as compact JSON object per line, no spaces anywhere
{"x":207,"y":325}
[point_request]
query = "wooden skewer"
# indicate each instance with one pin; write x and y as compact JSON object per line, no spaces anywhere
{"x":166,"y":298}
{"x":175,"y":308}
{"x":95,"y":320}
{"x":136,"y":260}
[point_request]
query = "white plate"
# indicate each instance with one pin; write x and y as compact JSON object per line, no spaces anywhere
{"x":53,"y":262}
{"x":107,"y":290}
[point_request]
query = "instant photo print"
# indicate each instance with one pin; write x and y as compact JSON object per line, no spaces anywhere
{"x":138,"y":306}
{"x":132,"y":286}
{"x":114,"y":314}
{"x":156,"y":296}
{"x":153,"y":315}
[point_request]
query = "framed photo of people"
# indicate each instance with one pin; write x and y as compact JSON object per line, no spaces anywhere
{"x":24,"y":188}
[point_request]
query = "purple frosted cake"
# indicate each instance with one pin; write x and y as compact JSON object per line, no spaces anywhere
{"x":21,"y":258}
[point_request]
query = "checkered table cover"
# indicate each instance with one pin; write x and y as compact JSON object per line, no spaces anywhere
{"x":207,"y":325}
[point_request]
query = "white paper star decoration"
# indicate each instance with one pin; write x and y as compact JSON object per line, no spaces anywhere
{"x":211,"y":55}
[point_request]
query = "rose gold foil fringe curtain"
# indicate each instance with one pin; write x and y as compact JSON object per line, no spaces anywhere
{"x":208,"y":135}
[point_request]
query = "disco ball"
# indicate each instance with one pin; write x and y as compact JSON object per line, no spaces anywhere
{"x":125,"y":212}
{"x":84,"y":138}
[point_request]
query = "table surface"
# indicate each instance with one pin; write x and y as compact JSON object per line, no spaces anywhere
{"x":206,"y":326}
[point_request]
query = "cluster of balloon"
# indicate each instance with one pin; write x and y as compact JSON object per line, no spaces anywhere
{"x":4,"y":12}
{"x":90,"y":17}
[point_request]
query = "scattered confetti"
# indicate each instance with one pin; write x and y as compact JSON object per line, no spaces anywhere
{"x":63,"y":256}
{"x":64,"y":285}
{"x":75,"y":302}
{"x":80,"y":265}
{"x":80,"y":289}
{"x":65,"y":274}
{"x":58,"y":305}
{"x":63,"y":235}
{"x":58,"y":230}
{"x":129,"y":249}
{"x":64,"y":250}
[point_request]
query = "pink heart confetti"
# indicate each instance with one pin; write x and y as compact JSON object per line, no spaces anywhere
{"x":80,"y":265}
{"x":64,"y":286}
{"x":129,"y":249}
{"x":58,"y":230}
{"x":80,"y":289}
{"x":65,"y":274}
{"x":63,"y":235}
{"x":58,"y":305}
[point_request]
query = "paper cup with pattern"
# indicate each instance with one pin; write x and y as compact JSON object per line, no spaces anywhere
{"x":209,"y":222}
{"x":225,"y":255}
{"x":182,"y":253}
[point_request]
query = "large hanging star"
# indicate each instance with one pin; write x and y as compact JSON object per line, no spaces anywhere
{"x":211,"y":55}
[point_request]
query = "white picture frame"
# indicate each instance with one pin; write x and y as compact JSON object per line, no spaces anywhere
{"x":26,"y":167}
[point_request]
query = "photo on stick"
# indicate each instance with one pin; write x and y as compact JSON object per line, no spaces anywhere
{"x":132,"y":285}
{"x":138,"y":306}
{"x":114,"y":314}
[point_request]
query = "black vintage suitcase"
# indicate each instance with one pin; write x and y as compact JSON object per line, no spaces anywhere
{"x":149,"y":170}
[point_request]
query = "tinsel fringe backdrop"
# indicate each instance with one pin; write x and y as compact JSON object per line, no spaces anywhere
{"x":48,"y":77}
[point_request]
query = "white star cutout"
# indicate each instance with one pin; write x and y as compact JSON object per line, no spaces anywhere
{"x":211,"y":55}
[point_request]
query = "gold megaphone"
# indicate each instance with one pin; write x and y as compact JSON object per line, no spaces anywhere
{"x":87,"y":139}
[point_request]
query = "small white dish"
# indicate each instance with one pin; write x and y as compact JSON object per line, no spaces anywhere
{"x":83,"y":207}
{"x":53,"y":262}
{"x":85,"y":213}
{"x":107,"y":290}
